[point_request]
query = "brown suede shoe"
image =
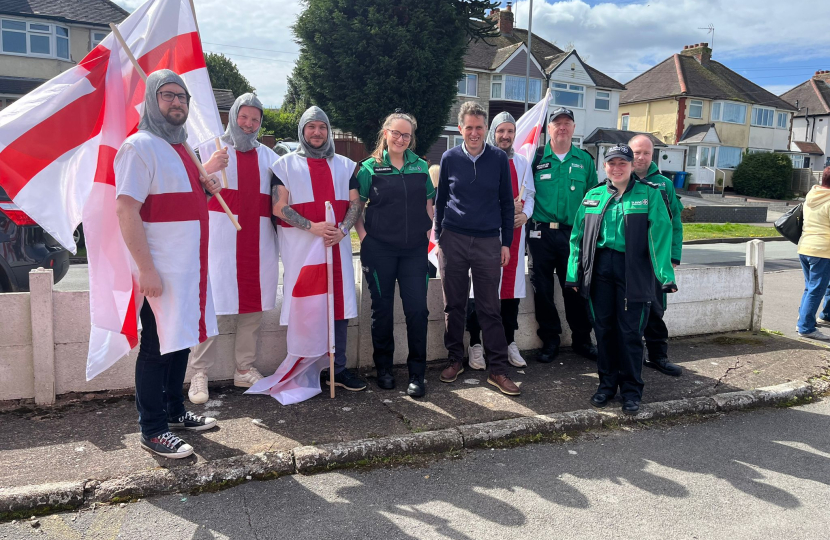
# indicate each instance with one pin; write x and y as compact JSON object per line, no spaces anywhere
{"x":503,"y":383}
{"x":452,"y":372}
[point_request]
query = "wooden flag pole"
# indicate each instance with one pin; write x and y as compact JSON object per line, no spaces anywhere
{"x":192,"y":154}
{"x":330,"y":303}
{"x":224,"y":175}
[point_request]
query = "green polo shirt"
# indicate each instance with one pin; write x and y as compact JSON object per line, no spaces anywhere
{"x":561,"y":185}
{"x":412,"y":164}
{"x":612,"y":228}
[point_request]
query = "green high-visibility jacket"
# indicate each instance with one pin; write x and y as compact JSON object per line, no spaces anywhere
{"x":675,"y":209}
{"x":645,"y":230}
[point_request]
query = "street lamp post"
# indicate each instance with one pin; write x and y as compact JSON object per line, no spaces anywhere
{"x":529,"y":52}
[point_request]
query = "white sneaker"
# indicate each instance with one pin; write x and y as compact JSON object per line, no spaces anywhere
{"x":822,"y":321}
{"x":198,"y":392}
{"x":246,"y":380}
{"x":476,"y":356}
{"x":514,"y":357}
{"x":815,"y":334}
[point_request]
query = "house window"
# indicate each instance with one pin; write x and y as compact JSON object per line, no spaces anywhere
{"x":691,"y":157}
{"x":34,"y":39}
{"x":602,"y":102}
{"x":457,"y":140}
{"x":732,"y":113}
{"x":695,"y":109}
{"x":782,"y":120}
{"x":513,"y":88}
{"x":624,"y":122}
{"x":798,"y":161}
{"x":95,"y":38}
{"x":729,"y":157}
{"x":707,"y":156}
{"x":576,"y":141}
{"x":756,"y":151}
{"x":468,"y":85}
{"x":568,"y":95}
{"x":762,"y":117}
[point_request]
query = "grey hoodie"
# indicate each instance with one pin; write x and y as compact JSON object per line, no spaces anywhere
{"x":498,"y":120}
{"x":305,"y":150}
{"x":151,"y":119}
{"x":234,"y":135}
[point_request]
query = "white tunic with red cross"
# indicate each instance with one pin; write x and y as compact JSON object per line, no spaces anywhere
{"x":174,"y":210}
{"x":244,"y":265}
{"x":513,"y":275}
{"x":310,"y":184}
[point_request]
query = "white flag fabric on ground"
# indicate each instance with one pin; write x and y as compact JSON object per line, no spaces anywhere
{"x":58,"y":144}
{"x":530,"y":127}
{"x":310,"y":335}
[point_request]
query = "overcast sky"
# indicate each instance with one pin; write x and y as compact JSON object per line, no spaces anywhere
{"x":777,"y":44}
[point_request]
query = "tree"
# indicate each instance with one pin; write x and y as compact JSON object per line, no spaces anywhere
{"x":282,"y":123}
{"x":766,"y":174}
{"x":224,"y":74}
{"x":360,"y":60}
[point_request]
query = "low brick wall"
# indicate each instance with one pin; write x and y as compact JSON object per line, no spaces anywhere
{"x":724,"y":214}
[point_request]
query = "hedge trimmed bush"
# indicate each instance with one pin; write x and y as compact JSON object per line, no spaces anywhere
{"x":767,"y":175}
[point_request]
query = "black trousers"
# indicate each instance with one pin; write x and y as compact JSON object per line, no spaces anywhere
{"x":550,"y":253}
{"x":462,"y":255}
{"x":383,"y":265}
{"x":158,"y":379}
{"x":509,"y":320}
{"x":656,"y":333}
{"x":619,"y":326}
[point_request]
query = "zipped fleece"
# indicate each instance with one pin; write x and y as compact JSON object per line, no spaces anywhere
{"x":653,"y":176}
{"x":647,"y":240}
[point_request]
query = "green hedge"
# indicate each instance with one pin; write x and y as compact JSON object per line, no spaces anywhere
{"x":767,"y":175}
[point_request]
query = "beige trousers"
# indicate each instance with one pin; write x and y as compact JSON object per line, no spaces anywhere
{"x":247,"y":334}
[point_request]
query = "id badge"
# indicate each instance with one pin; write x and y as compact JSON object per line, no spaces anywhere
{"x":536,"y":234}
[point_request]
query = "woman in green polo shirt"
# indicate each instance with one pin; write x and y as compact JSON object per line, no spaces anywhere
{"x":394,"y":235}
{"x":620,"y":241}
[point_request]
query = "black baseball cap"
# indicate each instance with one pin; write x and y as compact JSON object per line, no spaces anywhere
{"x":621,"y":151}
{"x":559,"y":112}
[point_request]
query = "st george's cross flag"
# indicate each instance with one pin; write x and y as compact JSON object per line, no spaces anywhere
{"x":310,"y":332}
{"x":530,"y":128}
{"x":58,"y":144}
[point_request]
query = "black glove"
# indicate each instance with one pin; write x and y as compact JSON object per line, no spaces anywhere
{"x":670,"y":287}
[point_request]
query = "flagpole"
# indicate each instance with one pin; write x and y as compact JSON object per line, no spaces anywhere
{"x":330,"y":304}
{"x":224,"y":176}
{"x":192,"y":154}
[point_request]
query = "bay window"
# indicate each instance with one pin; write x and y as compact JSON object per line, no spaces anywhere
{"x":729,"y":157}
{"x":34,"y":39}
{"x":511,"y":87}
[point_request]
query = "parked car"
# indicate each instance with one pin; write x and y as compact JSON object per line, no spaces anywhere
{"x":284,"y":147}
{"x":24,"y":246}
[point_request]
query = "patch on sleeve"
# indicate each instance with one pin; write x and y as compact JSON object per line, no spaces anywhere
{"x":590,"y":202}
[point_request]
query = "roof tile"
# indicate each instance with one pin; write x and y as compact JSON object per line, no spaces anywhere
{"x":97,"y":12}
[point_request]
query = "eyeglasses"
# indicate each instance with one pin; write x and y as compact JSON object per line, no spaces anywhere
{"x":170,"y":96}
{"x":398,"y":135}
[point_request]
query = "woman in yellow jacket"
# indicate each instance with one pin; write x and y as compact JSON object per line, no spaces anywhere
{"x":814,"y":253}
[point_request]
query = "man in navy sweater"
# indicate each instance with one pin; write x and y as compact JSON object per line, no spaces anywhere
{"x":474,"y":229}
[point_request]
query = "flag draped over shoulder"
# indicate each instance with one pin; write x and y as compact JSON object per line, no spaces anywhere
{"x":529,"y":128}
{"x":310,"y":333}
{"x":58,"y":143}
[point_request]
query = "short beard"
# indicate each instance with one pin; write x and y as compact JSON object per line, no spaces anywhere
{"x":174,"y":121}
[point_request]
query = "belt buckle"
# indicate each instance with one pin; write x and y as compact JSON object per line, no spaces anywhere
{"x":554,"y":225}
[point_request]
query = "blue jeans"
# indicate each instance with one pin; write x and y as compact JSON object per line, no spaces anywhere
{"x":158,"y":379}
{"x":825,"y":313}
{"x":816,"y":277}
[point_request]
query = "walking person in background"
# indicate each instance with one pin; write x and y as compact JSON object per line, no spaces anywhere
{"x":621,"y":243}
{"x":512,"y":287}
{"x":394,"y":234}
{"x":814,"y":253}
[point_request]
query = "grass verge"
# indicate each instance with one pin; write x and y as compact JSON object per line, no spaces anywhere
{"x":700,"y":231}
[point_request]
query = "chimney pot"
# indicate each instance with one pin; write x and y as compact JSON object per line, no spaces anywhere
{"x":510,"y":6}
{"x":503,"y":19}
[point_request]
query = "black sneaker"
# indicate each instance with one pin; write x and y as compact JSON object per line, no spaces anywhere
{"x":167,"y":445}
{"x":346,"y":379}
{"x":386,"y":381}
{"x":664,"y":366}
{"x":191,"y":422}
{"x":588,"y":351}
{"x":416,"y":386}
{"x":549,"y":353}
{"x":630,"y":406}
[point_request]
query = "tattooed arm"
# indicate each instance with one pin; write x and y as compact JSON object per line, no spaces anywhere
{"x":355,"y":210}
{"x":282,"y":210}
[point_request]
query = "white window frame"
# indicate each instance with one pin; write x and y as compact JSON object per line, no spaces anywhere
{"x":779,"y":115}
{"x":606,"y":96}
{"x":576,"y":141}
{"x":720,"y":105}
{"x":757,"y":151}
{"x":691,"y":156}
{"x":624,"y":120}
{"x":93,"y":42}
{"x":696,"y":103}
{"x":52,"y":33}
{"x":800,"y":158}
{"x":763,"y":112}
{"x":500,"y":81}
{"x":571,"y":89}
{"x":467,"y":85}
{"x":717,"y":159}
{"x":457,"y":140}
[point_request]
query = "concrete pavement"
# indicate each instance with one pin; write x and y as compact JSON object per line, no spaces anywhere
{"x":741,"y":476}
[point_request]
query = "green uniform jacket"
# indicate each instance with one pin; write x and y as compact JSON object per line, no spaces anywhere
{"x":561,"y":185}
{"x":646,"y":229}
{"x":675,"y":209}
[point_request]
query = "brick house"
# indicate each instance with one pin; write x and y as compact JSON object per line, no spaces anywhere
{"x":494,"y":75}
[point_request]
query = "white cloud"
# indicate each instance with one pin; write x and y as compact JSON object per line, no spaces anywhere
{"x":255,"y":28}
{"x":624,"y":40}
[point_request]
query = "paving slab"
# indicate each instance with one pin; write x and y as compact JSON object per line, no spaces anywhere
{"x":95,"y":437}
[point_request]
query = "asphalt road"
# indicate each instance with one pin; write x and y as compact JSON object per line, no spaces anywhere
{"x":760,"y":474}
{"x":779,"y":256}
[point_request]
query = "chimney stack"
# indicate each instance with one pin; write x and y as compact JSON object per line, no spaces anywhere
{"x":503,"y":19}
{"x":699,"y":51}
{"x":822,"y":75}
